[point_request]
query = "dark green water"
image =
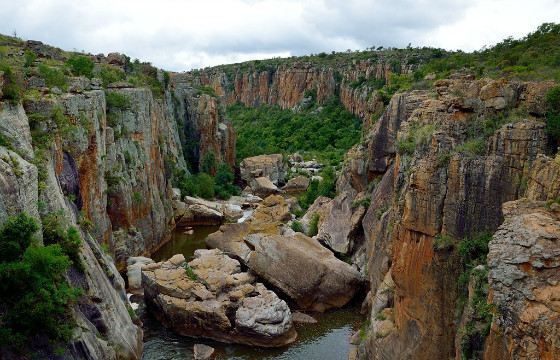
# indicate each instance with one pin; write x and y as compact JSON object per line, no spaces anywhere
{"x":326,"y":340}
{"x":182,"y":243}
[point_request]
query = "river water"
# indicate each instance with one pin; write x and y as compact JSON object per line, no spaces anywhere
{"x":326,"y":340}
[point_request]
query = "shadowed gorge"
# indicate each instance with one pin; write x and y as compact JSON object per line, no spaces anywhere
{"x":378,"y":204}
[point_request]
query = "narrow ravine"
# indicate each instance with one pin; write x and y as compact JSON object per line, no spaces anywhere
{"x":328,"y":339}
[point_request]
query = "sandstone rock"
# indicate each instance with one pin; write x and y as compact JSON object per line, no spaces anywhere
{"x":216,"y":300}
{"x":272,"y":209}
{"x":262,"y":186}
{"x":524,"y":278}
{"x":230,"y":211}
{"x":203,"y":352}
{"x":134,"y":272}
{"x":299,"y":317}
{"x":78,"y":84}
{"x":304,"y":270}
{"x":198,"y":214}
{"x":297,"y":184}
{"x":322,"y":206}
{"x":270,"y":166}
{"x":116,"y":59}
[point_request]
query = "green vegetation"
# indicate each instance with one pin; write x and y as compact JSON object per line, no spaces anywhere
{"x":190,"y":273}
{"x":365,"y":203}
{"x":553,"y":117}
{"x":54,"y":77}
{"x":109,"y":74}
{"x":314,"y":225}
{"x":34,"y":293}
{"x":29,"y":58}
{"x":116,"y":100}
{"x":81,"y":65}
{"x":223,"y":183}
{"x":11,"y":90}
{"x":416,"y":137}
{"x":326,"y":133}
{"x":443,"y":242}
{"x":473,"y":251}
{"x":326,"y":187}
{"x":69,"y":239}
{"x":200,"y":184}
{"x":206,"y":90}
{"x":534,"y":57}
{"x":297,"y":226}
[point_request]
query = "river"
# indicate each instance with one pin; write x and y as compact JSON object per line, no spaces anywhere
{"x":326,"y":340}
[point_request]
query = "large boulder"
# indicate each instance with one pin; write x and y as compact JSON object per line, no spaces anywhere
{"x":196,"y":214}
{"x":134,"y":272}
{"x":304,"y":270}
{"x":268,"y":218}
{"x":270,"y":166}
{"x":262,"y":186}
{"x":211,"y":297}
{"x":230,"y":210}
{"x":297,"y":184}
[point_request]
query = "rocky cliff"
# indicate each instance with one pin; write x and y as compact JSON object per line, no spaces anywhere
{"x":436,"y":167}
{"x":287,"y":83}
{"x":103,"y":158}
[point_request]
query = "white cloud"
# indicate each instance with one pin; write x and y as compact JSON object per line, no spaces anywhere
{"x":180,"y":35}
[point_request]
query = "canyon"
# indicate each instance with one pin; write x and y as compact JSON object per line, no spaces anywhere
{"x":458,"y":158}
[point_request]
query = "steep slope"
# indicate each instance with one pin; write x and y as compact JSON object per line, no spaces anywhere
{"x":101,"y":154}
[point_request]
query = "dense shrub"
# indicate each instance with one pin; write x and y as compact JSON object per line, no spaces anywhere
{"x":326,"y":133}
{"x":553,"y":116}
{"x":109,"y":74}
{"x":325,"y":187}
{"x":29,"y":58}
{"x":11,"y":90}
{"x":34,"y":293}
{"x":81,"y":65}
{"x":224,"y":187}
{"x":313,"y":225}
{"x":116,"y":100}
{"x":208,"y":163}
{"x":297,"y":226}
{"x":200,"y":184}
{"x":69,"y":239}
{"x":53,"y":77}
{"x":16,"y":236}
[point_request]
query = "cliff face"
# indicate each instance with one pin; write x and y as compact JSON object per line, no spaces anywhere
{"x":286,"y":85}
{"x":104,"y":160}
{"x":202,"y":126}
{"x":435,"y":165}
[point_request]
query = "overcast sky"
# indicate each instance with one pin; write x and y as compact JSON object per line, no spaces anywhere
{"x":183,"y":34}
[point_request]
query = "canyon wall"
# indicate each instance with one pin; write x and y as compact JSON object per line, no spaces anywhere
{"x":103,"y":160}
{"x":437,"y":166}
{"x":288,"y":84}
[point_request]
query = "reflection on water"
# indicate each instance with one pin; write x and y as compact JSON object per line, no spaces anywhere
{"x":326,"y":340}
{"x":182,"y":243}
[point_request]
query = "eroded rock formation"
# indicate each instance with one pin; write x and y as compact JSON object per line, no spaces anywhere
{"x":211,"y":297}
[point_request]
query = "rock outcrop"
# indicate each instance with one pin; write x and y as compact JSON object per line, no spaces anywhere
{"x":424,"y":182}
{"x":104,"y":328}
{"x":211,"y":297}
{"x":303,"y":269}
{"x":524,"y":279}
{"x":268,"y":166}
{"x":299,"y":266}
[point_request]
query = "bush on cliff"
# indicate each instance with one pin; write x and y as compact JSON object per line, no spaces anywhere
{"x":553,"y":117}
{"x":81,"y":65}
{"x":34,"y":293}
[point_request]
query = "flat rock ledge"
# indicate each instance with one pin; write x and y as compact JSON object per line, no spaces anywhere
{"x":210,"y":297}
